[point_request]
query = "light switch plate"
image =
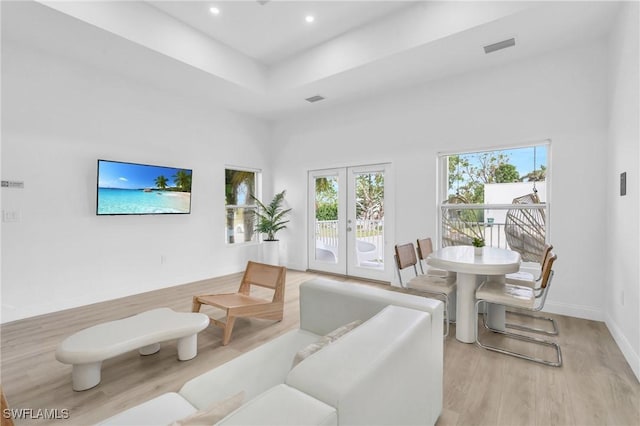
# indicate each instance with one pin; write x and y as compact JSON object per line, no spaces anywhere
{"x":12,"y":184}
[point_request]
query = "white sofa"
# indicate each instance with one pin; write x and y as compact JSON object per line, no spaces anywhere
{"x":387,"y":371}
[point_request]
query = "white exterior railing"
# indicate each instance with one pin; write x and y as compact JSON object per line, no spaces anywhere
{"x":528,"y":235}
{"x":369,"y":238}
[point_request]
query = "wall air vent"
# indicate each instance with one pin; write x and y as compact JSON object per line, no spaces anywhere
{"x":500,"y":45}
{"x":315,"y":98}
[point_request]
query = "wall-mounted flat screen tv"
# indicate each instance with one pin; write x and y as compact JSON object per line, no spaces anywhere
{"x":129,"y":188}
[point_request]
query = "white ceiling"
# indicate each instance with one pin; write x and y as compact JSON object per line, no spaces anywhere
{"x":276,"y":30}
{"x":265,"y":60}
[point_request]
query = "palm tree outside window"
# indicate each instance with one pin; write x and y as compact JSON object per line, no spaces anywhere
{"x":240,"y":208}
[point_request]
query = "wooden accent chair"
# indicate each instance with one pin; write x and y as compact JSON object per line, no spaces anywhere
{"x":242,"y":304}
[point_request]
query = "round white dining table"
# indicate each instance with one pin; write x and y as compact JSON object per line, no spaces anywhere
{"x":471,"y":270}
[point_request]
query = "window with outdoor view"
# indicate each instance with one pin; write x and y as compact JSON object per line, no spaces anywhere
{"x":241,"y":209}
{"x":498,"y":196}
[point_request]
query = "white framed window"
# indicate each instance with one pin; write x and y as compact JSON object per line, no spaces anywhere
{"x":500,"y":195}
{"x":240,"y":185}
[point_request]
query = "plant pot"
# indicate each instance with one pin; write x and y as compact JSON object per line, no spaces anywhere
{"x":271,"y":252}
{"x":477,"y":251}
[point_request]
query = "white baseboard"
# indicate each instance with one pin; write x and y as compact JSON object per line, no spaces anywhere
{"x":627,"y":350}
{"x":577,"y":311}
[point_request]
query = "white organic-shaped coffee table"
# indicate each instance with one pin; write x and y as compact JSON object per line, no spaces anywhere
{"x":87,"y":348}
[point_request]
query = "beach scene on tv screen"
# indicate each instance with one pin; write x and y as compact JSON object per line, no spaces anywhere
{"x":126,"y":188}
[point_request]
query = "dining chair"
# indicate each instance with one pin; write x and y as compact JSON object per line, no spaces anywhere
{"x":521,"y":297}
{"x":424,"y":247}
{"x":529,"y":276}
{"x":242,"y":304}
{"x":527,"y":279}
{"x":405,"y":257}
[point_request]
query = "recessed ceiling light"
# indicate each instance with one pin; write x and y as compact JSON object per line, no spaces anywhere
{"x":214,"y":10}
{"x":309,"y":18}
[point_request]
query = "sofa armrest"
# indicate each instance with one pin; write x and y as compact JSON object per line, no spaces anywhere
{"x":327,"y":304}
{"x":382,"y":372}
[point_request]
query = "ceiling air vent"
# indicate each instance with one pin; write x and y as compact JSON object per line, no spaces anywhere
{"x":500,"y":45}
{"x":263,"y":2}
{"x":315,"y":98}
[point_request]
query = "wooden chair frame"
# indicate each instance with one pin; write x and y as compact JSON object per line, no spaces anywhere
{"x":424,"y":247}
{"x":242,"y":304}
{"x":405,"y":256}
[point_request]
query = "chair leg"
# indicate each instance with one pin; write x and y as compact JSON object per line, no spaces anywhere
{"x":446,"y":312}
{"x":195,"y":307}
{"x":228,"y":328}
{"x":554,"y":332}
{"x":446,"y":316}
{"x":534,"y":340}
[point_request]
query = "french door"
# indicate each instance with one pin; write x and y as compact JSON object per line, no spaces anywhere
{"x":349,"y":221}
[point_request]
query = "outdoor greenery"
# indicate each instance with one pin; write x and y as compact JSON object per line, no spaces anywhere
{"x":238,"y":185}
{"x":369,"y":197}
{"x":326,"y":199}
{"x":271,"y":217}
{"x":469,"y":173}
{"x":467,"y":176}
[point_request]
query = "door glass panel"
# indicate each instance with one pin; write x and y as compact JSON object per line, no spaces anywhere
{"x":369,"y":203}
{"x":326,"y":219}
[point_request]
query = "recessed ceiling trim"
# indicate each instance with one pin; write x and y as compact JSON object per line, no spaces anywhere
{"x":499,"y":45}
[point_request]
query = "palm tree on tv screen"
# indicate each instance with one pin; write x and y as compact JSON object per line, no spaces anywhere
{"x":182,"y":179}
{"x":161,"y":182}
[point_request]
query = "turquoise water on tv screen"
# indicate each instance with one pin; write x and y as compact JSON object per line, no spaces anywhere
{"x":138,"y":201}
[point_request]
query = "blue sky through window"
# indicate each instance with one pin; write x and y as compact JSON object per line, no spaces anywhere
{"x":133,"y":176}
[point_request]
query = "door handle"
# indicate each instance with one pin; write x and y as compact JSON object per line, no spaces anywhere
{"x":348,"y":229}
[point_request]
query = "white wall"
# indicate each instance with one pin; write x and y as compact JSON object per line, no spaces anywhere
{"x":561,"y":96}
{"x":622,"y":288}
{"x":58,"y":117}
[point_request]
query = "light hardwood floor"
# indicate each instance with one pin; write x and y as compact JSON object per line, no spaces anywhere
{"x":594,"y":387}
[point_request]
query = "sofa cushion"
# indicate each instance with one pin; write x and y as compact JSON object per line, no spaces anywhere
{"x":213,"y":413}
{"x":314,"y":347}
{"x":162,"y":410}
{"x":282,"y":405}
{"x":253,"y":372}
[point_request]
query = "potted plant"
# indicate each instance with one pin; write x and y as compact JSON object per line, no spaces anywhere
{"x":477,"y":243}
{"x":270,"y":220}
